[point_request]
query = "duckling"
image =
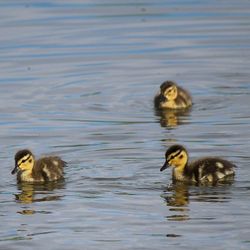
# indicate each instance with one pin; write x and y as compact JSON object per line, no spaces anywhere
{"x":171,"y":96}
{"x":201,"y":171}
{"x":36,"y":171}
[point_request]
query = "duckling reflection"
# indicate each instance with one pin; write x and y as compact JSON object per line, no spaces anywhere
{"x":172,"y":118}
{"x":177,"y":198}
{"x":178,"y":195}
{"x":220,"y":193}
{"x":30,"y":191}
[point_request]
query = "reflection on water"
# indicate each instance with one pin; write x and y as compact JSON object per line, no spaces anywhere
{"x":216,"y":193}
{"x":30,"y":192}
{"x":178,"y":196}
{"x":172,"y":118}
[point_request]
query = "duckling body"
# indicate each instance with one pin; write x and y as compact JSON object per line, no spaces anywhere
{"x":204,"y":170}
{"x":42,"y":170}
{"x":172,"y":96}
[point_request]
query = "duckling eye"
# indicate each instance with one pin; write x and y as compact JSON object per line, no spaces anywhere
{"x":170,"y":158}
{"x":30,"y":160}
{"x":181,"y":156}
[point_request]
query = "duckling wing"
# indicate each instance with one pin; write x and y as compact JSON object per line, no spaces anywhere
{"x":212,"y":169}
{"x":158,"y":99}
{"x":184,"y":97}
{"x":51,"y":168}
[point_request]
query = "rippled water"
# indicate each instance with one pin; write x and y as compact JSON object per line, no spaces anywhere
{"x":77,"y":79}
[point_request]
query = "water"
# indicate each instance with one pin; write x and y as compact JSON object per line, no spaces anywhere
{"x":77,"y":79}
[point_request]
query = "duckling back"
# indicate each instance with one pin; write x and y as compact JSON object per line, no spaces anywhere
{"x":50,"y":168}
{"x":183,"y":99}
{"x":210,"y":169}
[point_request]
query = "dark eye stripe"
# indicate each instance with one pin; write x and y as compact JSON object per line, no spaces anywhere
{"x":25,"y":160}
{"x":176,"y":154}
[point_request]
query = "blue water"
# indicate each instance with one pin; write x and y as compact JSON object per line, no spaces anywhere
{"x":78,"y":78}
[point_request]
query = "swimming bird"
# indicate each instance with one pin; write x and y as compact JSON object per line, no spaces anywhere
{"x":204,"y":170}
{"x":172,"y":96}
{"x":29,"y":169}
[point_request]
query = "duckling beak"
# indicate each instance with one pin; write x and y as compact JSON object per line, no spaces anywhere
{"x":15,"y":169}
{"x":165,"y":166}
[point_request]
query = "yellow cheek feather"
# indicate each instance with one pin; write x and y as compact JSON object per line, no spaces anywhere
{"x":171,"y":93}
{"x":178,"y":160}
{"x":26,"y":163}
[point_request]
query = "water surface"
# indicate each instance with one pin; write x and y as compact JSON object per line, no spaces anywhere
{"x":77,"y":79}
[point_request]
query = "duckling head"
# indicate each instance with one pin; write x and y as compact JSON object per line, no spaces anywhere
{"x":169,"y":91}
{"x":176,"y":157}
{"x":24,"y":160}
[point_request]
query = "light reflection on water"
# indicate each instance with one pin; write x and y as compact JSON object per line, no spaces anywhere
{"x":78,"y":80}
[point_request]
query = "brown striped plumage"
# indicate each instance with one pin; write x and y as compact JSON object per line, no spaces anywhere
{"x":204,"y":170}
{"x":30,"y":170}
{"x":171,"y":96}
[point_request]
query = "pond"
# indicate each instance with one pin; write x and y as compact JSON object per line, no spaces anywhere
{"x":78,"y":79}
